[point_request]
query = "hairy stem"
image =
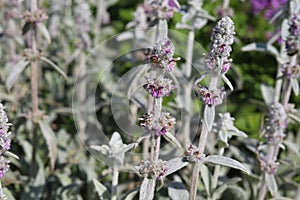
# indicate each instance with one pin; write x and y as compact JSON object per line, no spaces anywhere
{"x":263,"y":189}
{"x":115,"y":182}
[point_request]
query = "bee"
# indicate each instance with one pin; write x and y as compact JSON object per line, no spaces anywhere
{"x":155,"y":59}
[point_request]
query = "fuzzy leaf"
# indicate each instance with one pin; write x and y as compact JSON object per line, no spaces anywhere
{"x":57,"y":68}
{"x":227,"y":81}
{"x":271,"y":183}
{"x":292,"y":146}
{"x":146,"y":192}
{"x":169,"y":137}
{"x":174,"y":165}
{"x":101,"y":189}
{"x":44,"y":32}
{"x":206,"y":177}
{"x":295,"y":86}
{"x":15,"y":72}
{"x":131,"y":195}
{"x":222,"y":160}
{"x":51,"y":141}
{"x":266,"y":47}
{"x":285,"y":29}
{"x":267,"y":93}
{"x":10,"y":154}
{"x":177,"y":191}
{"x":209,"y":116}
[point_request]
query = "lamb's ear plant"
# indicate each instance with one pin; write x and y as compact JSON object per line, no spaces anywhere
{"x":277,"y":98}
{"x":217,"y":64}
{"x":5,"y":142}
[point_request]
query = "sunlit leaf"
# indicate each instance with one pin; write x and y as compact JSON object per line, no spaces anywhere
{"x":15,"y":72}
{"x":206,"y":177}
{"x":295,"y":85}
{"x":268,"y":94}
{"x":222,"y":160}
{"x":44,"y":32}
{"x":209,"y":116}
{"x":146,"y":190}
{"x":169,"y":137}
{"x":101,"y":190}
{"x":57,"y":68}
{"x":271,"y":183}
{"x":177,"y":191}
{"x":174,"y":165}
{"x":51,"y":141}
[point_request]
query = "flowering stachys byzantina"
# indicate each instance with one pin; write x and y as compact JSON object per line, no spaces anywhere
{"x":159,"y":87}
{"x":221,"y":39}
{"x":5,"y":141}
{"x":276,"y":123}
{"x":161,"y":55}
{"x":211,"y":97}
{"x":154,"y":169}
{"x":160,"y":126}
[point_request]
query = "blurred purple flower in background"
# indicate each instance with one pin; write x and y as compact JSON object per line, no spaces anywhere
{"x":270,"y":6}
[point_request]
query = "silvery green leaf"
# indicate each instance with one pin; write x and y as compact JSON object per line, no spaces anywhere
{"x":198,"y":23}
{"x":222,"y":160}
{"x":294,"y":6}
{"x":10,"y":154}
{"x":281,"y":198}
{"x":174,"y":165}
{"x":294,"y":117}
{"x":103,"y":149}
{"x":227,"y":81}
{"x":292,"y":146}
{"x":285,"y":29}
{"x":51,"y":141}
{"x":223,"y":136}
{"x":8,"y":194}
{"x":169,"y":137}
{"x":239,"y":192}
{"x":268,"y":93}
{"x":15,"y":72}
{"x":131,"y":195}
{"x":295,"y":85}
{"x":57,"y":68}
{"x":271,"y":183}
{"x":217,"y":194}
{"x":177,"y":191}
{"x":266,"y":47}
{"x":146,"y":192}
{"x":206,"y":177}
{"x":44,"y":32}
{"x":209,"y":116}
{"x":101,"y":190}
{"x":201,"y":78}
{"x":125,"y":36}
{"x":116,"y":141}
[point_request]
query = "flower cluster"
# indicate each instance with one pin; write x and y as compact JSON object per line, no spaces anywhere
{"x":268,"y":166}
{"x":270,"y":6}
{"x":155,"y":170}
{"x":291,"y":71}
{"x":36,"y":17}
{"x":221,"y":39}
{"x":292,"y":41}
{"x":276,"y":123}
{"x":209,"y":97}
{"x":158,"y":87}
{"x":4,"y":141}
{"x":161,"y":55}
{"x":160,"y":126}
{"x":192,"y":154}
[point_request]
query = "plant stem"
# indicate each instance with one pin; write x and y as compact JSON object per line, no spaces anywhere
{"x":115,"y":182}
{"x":298,"y":193}
{"x":214,"y":79}
{"x":263,"y":189}
{"x":34,"y":91}
{"x":1,"y":192}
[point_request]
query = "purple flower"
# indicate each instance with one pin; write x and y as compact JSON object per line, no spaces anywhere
{"x":270,"y":6}
{"x":158,"y":87}
{"x":163,"y":124}
{"x":210,"y":97}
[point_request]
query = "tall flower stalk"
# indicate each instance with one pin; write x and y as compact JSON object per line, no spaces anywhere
{"x":279,"y":109}
{"x":217,"y":64}
{"x":5,"y":141}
